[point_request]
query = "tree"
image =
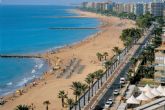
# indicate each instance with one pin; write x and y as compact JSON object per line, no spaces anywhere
{"x":47,"y":103}
{"x":98,"y":74}
{"x":99,"y":56}
{"x":107,"y":64}
{"x":116,"y":50}
{"x":145,"y":21}
{"x":70,"y":102}
{"x":78,"y":89}
{"x":105,"y":54}
{"x":89,"y":80}
{"x":22,"y":107}
{"x":92,"y":77}
{"x":62,"y":95}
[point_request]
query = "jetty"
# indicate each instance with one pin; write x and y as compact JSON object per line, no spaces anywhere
{"x":20,"y":56}
{"x":73,"y":28}
{"x":70,"y":17}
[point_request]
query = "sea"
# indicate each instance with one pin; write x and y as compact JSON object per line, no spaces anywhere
{"x":26,"y":30}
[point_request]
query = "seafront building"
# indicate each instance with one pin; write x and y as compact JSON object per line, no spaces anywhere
{"x":138,"y":9}
{"x":155,"y":8}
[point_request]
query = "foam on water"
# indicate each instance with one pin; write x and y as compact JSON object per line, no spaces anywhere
{"x":9,"y":84}
{"x":33,"y":71}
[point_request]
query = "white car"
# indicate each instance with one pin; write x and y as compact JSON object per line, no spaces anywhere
{"x":122,"y":80}
{"x":116,"y":92}
{"x":108,"y":103}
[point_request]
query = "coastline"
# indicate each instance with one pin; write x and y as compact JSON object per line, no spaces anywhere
{"x":53,"y":57}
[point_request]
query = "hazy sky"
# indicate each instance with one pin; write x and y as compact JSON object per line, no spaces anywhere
{"x":61,"y":2}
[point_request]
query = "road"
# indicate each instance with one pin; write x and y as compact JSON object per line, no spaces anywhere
{"x":105,"y":92}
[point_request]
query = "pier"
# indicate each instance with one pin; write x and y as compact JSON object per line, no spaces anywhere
{"x":72,"y":28}
{"x":20,"y":56}
{"x":70,"y":17}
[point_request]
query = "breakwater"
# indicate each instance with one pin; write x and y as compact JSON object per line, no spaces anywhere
{"x":19,"y":56}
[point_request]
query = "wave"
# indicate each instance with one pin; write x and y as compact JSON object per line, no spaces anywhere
{"x":33,"y":71}
{"x":40,"y":66}
{"x":25,"y":80}
{"x":9,"y":84}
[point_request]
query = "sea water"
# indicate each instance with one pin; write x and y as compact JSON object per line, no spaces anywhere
{"x":26,"y":30}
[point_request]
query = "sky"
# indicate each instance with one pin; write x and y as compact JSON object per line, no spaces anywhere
{"x":57,"y":2}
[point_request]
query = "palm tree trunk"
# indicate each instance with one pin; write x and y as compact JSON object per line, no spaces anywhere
{"x":84,"y":99}
{"x":76,"y":98}
{"x":47,"y":107}
{"x":79,"y":105}
{"x":98,"y":83}
{"x":89,"y":93}
{"x":101,"y":81}
{"x":92,"y":89}
{"x":62,"y":102}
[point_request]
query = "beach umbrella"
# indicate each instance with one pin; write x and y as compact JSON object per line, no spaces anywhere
{"x":147,"y":88}
{"x":155,"y":92}
{"x":132,"y":100}
{"x":142,"y":97}
{"x":141,"y":88}
{"x":160,"y":89}
{"x":149,"y":94}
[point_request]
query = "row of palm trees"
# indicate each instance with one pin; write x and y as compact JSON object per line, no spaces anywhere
{"x":146,"y":69}
{"x":32,"y":106}
{"x":100,"y":56}
{"x":79,"y":89}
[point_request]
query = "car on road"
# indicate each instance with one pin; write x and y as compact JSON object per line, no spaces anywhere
{"x":108,"y":103}
{"x":122,"y":80}
{"x":116,"y":92}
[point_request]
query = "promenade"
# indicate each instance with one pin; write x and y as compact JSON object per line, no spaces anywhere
{"x":106,"y":90}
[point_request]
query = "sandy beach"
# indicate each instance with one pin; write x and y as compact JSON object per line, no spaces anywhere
{"x":84,"y":52}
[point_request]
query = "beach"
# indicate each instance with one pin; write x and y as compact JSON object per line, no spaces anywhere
{"x":83,"y":51}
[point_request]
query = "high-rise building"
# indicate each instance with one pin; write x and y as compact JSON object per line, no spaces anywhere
{"x":138,"y":9}
{"x":146,"y":8}
{"x":156,"y":8}
{"x":119,"y":8}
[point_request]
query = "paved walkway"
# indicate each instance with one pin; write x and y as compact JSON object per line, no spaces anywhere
{"x":94,"y":100}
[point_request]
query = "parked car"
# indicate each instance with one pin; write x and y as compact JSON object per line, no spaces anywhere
{"x":122,"y":80}
{"x":116,"y":92}
{"x":108,"y":103}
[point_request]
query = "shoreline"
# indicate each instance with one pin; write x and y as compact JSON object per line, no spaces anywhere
{"x":10,"y":95}
{"x":55,"y":50}
{"x":48,"y":77}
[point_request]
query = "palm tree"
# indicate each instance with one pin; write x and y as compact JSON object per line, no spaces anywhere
{"x":98,"y":74}
{"x":62,"y":95}
{"x":133,"y":60}
{"x":92,"y":76}
{"x":78,"y":89}
{"x":22,"y":107}
{"x":70,"y":102}
{"x":117,"y":51}
{"x":99,"y":56}
{"x":47,"y":103}
{"x":107,"y":64}
{"x":105,"y":54}
{"x":89,"y":80}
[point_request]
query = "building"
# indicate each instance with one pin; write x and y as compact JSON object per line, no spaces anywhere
{"x":146,"y":8}
{"x":159,"y":75}
{"x":138,"y":9}
{"x":127,"y":8}
{"x":156,"y":8}
{"x":164,"y":13}
{"x":119,"y":8}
